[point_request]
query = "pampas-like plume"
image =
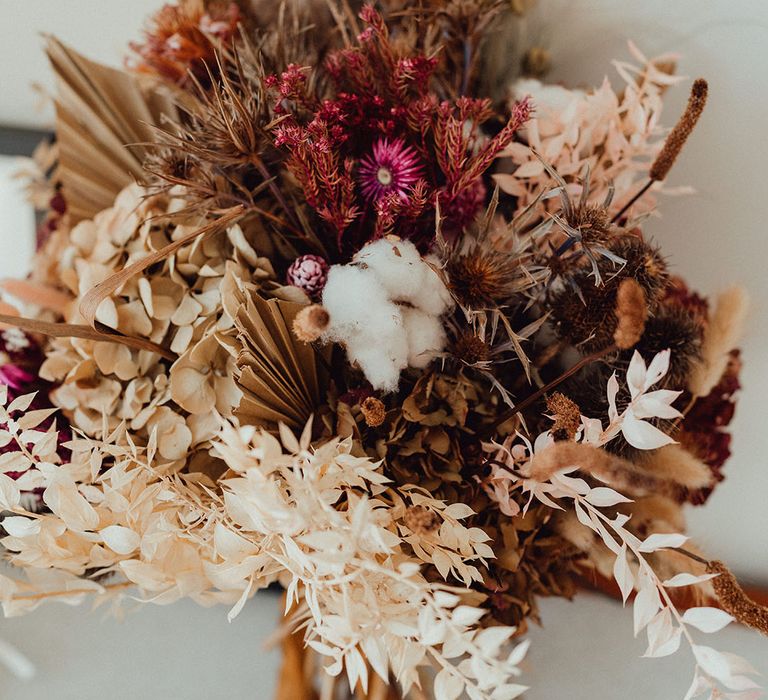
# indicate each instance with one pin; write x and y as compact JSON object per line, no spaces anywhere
{"x":618,"y":473}
{"x":679,"y":135}
{"x":675,"y":463}
{"x":735,"y":601}
{"x":631,"y":314}
{"x":720,"y":337}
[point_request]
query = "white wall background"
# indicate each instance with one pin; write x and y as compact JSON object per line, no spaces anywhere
{"x":717,"y":237}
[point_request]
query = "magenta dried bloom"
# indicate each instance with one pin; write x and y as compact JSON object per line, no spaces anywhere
{"x":308,"y":272}
{"x":392,"y":167}
{"x":14,"y":377}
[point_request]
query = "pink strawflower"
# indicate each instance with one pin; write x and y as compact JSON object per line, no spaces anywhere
{"x":308,"y":272}
{"x":15,"y":377}
{"x":392,"y":167}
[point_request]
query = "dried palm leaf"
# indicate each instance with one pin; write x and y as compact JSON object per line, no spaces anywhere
{"x":278,"y":375}
{"x":102,"y":115}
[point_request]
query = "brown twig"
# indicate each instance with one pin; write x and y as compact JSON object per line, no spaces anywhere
{"x":583,"y":362}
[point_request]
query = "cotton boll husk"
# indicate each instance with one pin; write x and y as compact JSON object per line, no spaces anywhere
{"x":426,"y":337}
{"x":675,"y":463}
{"x":720,"y":337}
{"x":396,"y":264}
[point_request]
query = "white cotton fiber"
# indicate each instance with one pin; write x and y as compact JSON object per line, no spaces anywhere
{"x":381,"y":362}
{"x":434,"y":297}
{"x":385,"y":308}
{"x":426,"y":337}
{"x":355,"y":300}
{"x":397,"y":264}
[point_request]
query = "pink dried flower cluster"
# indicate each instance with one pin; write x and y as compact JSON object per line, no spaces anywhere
{"x":309,"y":273}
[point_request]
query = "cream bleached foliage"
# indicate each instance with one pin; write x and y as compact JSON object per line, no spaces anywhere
{"x":612,"y":134}
{"x":322,"y":521}
{"x":523,"y":468}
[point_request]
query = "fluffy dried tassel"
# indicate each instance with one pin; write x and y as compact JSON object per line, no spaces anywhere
{"x":598,"y":555}
{"x":682,"y":130}
{"x":618,"y":473}
{"x":310,"y":323}
{"x":675,"y":463}
{"x":735,"y":601}
{"x":722,"y":335}
{"x":631,"y":314}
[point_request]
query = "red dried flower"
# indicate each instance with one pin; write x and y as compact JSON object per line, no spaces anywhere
{"x":178,"y":40}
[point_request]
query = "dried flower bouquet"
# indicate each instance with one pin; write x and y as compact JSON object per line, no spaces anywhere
{"x":345,"y":298}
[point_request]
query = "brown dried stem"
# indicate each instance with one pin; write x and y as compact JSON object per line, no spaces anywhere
{"x":583,"y":362}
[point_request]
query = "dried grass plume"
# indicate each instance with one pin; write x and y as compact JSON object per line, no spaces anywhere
{"x":722,"y":335}
{"x":631,"y":312}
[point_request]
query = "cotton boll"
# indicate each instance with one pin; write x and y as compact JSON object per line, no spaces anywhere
{"x":381,"y":361}
{"x":385,"y":309}
{"x":396,"y":264}
{"x":433,"y":297}
{"x":426,"y":337}
{"x":352,"y":296}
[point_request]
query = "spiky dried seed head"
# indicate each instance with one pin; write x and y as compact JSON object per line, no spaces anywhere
{"x":470,"y":349}
{"x":481,"y":277}
{"x":678,"y":330}
{"x":644,"y":263}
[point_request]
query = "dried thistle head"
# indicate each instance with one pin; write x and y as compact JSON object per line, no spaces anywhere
{"x":482,"y":277}
{"x":644,"y":263}
{"x":218,"y":151}
{"x":673,"y":328}
{"x":470,"y":348}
